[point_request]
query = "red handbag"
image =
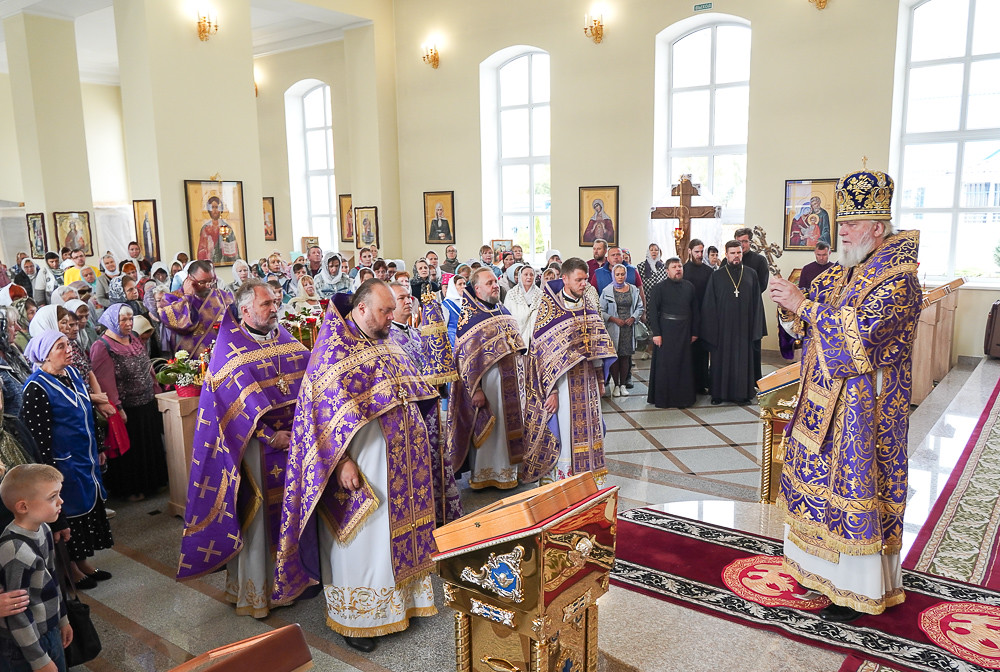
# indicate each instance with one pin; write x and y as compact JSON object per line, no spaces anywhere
{"x":117,"y":439}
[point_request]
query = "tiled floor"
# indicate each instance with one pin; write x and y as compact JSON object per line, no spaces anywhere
{"x":702,"y":462}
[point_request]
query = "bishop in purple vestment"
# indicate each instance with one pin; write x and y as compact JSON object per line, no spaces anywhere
{"x":193,"y":312}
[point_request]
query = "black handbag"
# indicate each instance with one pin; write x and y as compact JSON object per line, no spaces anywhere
{"x":86,"y":644}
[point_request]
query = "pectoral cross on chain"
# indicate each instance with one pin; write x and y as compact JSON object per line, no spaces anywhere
{"x":736,"y":292}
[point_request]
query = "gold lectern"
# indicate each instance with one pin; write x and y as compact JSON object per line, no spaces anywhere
{"x":525,"y":600}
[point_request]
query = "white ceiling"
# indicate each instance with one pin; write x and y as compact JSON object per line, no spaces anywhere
{"x":277,"y":25}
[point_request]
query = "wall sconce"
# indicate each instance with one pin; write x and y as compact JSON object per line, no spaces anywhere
{"x":593,"y":27}
{"x":431,"y":55}
{"x":820,"y":4}
{"x":208,"y":25}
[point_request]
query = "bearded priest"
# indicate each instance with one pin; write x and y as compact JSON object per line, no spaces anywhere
{"x":844,"y":480}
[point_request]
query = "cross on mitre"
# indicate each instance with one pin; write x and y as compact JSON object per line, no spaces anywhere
{"x":684,"y":213}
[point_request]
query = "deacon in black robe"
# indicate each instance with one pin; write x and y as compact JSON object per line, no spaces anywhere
{"x":673,"y":313}
{"x":732,"y":318}
{"x":697,"y":272}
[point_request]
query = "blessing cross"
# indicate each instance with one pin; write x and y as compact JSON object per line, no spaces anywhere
{"x":759,"y":245}
{"x":684,"y":213}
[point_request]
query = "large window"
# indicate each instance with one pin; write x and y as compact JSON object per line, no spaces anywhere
{"x":948,"y":184}
{"x":312,"y":185}
{"x":707,"y":102}
{"x":522,"y":142}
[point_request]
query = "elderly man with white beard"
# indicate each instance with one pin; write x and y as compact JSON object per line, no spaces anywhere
{"x":844,"y":480}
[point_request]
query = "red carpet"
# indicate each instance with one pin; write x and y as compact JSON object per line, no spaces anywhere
{"x":682,"y":561}
{"x":943,"y":514}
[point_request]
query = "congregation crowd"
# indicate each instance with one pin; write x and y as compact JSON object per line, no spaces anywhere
{"x":499,"y":363}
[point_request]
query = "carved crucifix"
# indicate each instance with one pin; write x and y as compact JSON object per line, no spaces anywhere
{"x":684,"y":213}
{"x":772,"y":251}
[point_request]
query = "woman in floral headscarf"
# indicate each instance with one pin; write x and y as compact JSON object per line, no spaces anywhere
{"x":125,"y":373}
{"x":124,"y":289}
{"x":25,"y":309}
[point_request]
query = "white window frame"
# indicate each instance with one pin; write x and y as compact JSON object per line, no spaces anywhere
{"x":959,"y":137}
{"x":299,"y":174}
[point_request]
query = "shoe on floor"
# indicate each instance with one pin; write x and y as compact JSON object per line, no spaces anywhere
{"x":110,"y":513}
{"x":623,"y":391}
{"x":617,"y":391}
{"x":837,"y":614}
{"x":716,"y":402}
{"x":363,"y":644}
{"x":86,"y":583}
{"x":629,"y":384}
{"x":100,"y":575}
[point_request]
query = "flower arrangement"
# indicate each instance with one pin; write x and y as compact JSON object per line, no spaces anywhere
{"x":304,"y":325}
{"x":183,"y":370}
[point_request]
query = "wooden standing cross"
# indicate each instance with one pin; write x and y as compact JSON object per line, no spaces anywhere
{"x":684,"y":213}
{"x":759,"y":245}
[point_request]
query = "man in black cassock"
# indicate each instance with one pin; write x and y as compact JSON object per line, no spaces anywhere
{"x":697,"y":272}
{"x":673,"y":322}
{"x":732,"y":318}
{"x":758,"y":262}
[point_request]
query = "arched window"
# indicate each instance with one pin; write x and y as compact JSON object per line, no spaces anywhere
{"x":312,"y":185}
{"x":516,"y":164}
{"x":948,"y":182}
{"x":702,"y":104}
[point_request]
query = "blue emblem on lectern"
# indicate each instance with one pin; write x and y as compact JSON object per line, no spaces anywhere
{"x":501,"y":574}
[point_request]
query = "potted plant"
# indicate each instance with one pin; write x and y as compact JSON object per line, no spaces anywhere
{"x":184,"y":373}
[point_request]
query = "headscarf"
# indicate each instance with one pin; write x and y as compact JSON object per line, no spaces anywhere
{"x":5,"y":299}
{"x":615,"y":282}
{"x":39,"y":347}
{"x":21,"y":306}
{"x":31,"y":276}
{"x":111,"y":274}
{"x":10,"y":352}
{"x":324,"y":271}
{"x":552,"y":253}
{"x":140,"y":325}
{"x":300,"y":293}
{"x":400,"y":265}
{"x":57,"y":295}
{"x":458,"y":269}
{"x":149,"y":298}
{"x":46,"y":319}
{"x":357,"y":278}
{"x":651,"y":261}
{"x":110,"y":317}
{"x":81,"y":286}
{"x":237,"y":265}
{"x":116,"y":293}
{"x":512,"y":272}
{"x":73,"y":304}
{"x":453,"y":294}
{"x":159,"y":266}
{"x":517,"y":289}
{"x":66,"y":264}
{"x":178,"y":280}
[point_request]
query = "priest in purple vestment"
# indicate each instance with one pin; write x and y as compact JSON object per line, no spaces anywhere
{"x":437,"y":366}
{"x":193,"y":311}
{"x":241,"y":450}
{"x":844,"y":479}
{"x":570,"y":355}
{"x":359,"y":476}
{"x":484,"y":411}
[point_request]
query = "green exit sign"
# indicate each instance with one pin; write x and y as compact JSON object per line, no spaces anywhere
{"x":703,"y":6}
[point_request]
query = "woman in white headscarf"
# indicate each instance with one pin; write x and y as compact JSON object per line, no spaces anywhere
{"x":109,"y":271}
{"x":522,"y":300}
{"x":453,"y":302}
{"x":363,"y":274}
{"x":178,"y":280}
{"x":305,"y":296}
{"x":331,"y":278}
{"x":159,"y":273}
{"x":241,"y":271}
{"x":26,"y":274}
{"x":63,"y":294}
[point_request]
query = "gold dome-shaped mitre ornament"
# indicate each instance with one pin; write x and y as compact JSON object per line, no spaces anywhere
{"x":864,"y":194}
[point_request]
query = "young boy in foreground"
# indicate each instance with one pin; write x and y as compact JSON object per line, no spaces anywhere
{"x":35,"y":638}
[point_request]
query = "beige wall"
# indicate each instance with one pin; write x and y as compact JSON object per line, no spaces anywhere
{"x":102,"y":120}
{"x":275,"y":74}
{"x":11,"y":188}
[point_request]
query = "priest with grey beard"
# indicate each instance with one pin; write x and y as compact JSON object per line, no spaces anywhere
{"x":844,"y":479}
